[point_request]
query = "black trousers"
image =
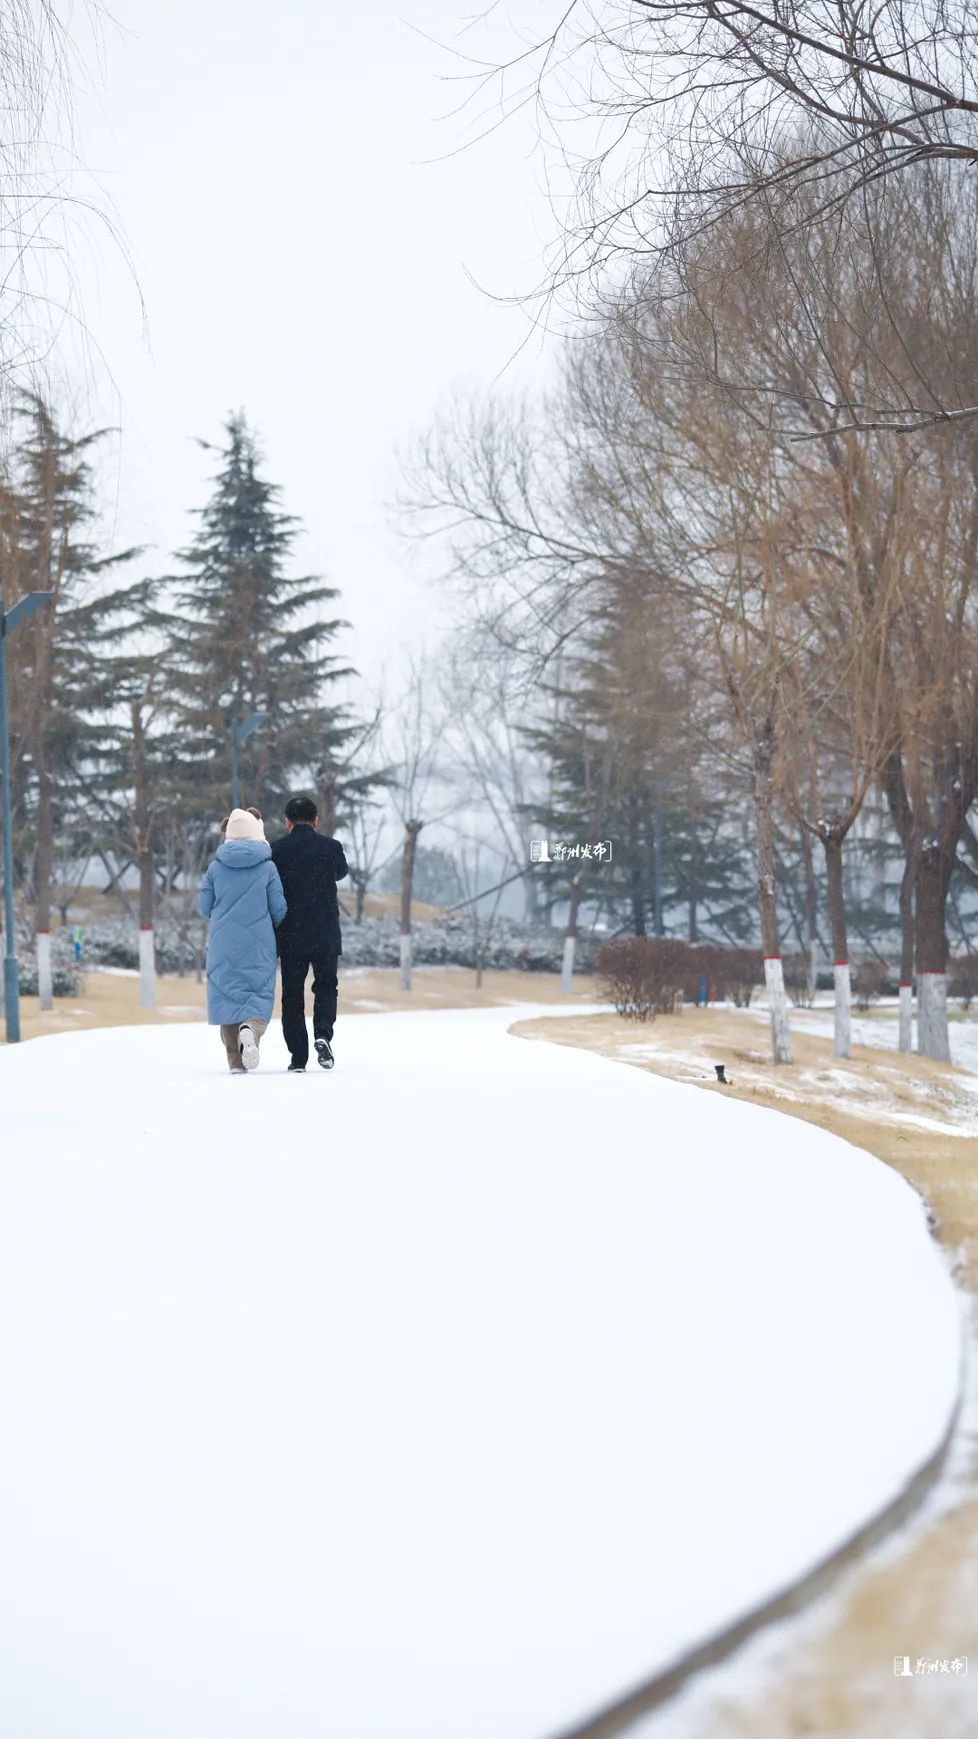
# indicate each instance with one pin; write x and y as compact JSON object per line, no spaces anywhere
{"x":295,"y":968}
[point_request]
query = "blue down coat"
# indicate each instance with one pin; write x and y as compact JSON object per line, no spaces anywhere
{"x":242,"y":896}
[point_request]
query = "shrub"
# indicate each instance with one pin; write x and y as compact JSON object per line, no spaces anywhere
{"x":739,"y":972}
{"x":797,"y":979}
{"x":710,"y":962}
{"x":653,"y":975}
{"x":450,"y":941}
{"x":644,"y":975}
{"x":869,"y":980}
{"x":963,"y":978}
{"x":66,"y":980}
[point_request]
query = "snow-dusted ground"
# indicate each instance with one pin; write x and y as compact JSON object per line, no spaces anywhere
{"x":879,"y":1027}
{"x":448,"y":1394}
{"x":945,"y":1105}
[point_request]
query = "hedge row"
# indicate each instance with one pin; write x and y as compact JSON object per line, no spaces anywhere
{"x":66,"y":979}
{"x":180,"y":947}
{"x":645,"y":976}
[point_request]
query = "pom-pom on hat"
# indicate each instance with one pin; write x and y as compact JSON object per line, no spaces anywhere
{"x":243,"y":825}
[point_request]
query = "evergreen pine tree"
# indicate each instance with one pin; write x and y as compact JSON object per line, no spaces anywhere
{"x":246,"y":635}
{"x":63,"y":688}
{"x":622,"y":756}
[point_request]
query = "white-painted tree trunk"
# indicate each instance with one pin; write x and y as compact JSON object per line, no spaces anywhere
{"x":843,"y":1010}
{"x":905,"y":1038}
{"x":567,"y":964}
{"x":147,"y":968}
{"x":778,"y":1002}
{"x":405,"y":962}
{"x":932,"y":1033}
{"x":45,"y":980}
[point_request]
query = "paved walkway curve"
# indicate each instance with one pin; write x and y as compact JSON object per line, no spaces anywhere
{"x":446,"y":1394}
{"x":831,"y":1672}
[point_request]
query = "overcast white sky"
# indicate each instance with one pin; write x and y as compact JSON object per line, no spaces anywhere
{"x":304,"y":239}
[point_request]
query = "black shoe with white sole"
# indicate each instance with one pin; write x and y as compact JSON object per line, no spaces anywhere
{"x":297,"y":1068}
{"x":324,"y":1054}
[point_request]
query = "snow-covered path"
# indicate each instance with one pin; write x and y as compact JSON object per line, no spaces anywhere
{"x":450,"y":1394}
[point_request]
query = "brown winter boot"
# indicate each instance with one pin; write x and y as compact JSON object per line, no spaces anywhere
{"x":229,"y":1035}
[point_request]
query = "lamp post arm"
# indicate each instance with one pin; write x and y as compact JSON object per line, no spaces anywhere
{"x":24,"y":609}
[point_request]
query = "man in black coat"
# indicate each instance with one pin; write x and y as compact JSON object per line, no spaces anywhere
{"x":310,"y":865}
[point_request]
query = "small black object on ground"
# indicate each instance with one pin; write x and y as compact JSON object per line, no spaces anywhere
{"x":721,"y":1077}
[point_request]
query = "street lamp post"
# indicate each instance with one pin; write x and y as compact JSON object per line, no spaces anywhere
{"x":9,"y":620}
{"x":239,"y":731}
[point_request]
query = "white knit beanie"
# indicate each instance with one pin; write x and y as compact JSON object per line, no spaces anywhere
{"x":241,"y":825}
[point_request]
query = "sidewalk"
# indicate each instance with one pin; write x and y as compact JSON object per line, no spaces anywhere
{"x":831,"y":1671}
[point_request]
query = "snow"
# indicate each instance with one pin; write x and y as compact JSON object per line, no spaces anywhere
{"x":754,"y":1674}
{"x":453,"y":1392}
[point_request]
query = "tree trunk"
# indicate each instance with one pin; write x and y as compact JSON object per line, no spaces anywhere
{"x":577,"y":883}
{"x":638,"y":902}
{"x":411,"y":831}
{"x":570,"y":938}
{"x":147,"y":933}
{"x":635,"y":863}
{"x":360,"y":891}
{"x":905,"y":1039}
{"x":147,"y":966}
{"x":842,"y":1042}
{"x":43,"y":856}
{"x":694,"y":885}
{"x":932,"y":1031}
{"x":327,"y":801}
{"x":811,"y":910}
{"x":45,"y":974}
{"x":142,"y":827}
{"x":767,"y":893}
{"x":657,"y":919}
{"x":531,"y":899}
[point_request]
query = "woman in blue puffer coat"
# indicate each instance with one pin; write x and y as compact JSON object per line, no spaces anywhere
{"x":242,"y":896}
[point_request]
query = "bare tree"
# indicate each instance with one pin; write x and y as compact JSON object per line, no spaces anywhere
{"x":468,"y":861}
{"x":825,"y":581}
{"x":488,"y":707}
{"x":410,"y":737}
